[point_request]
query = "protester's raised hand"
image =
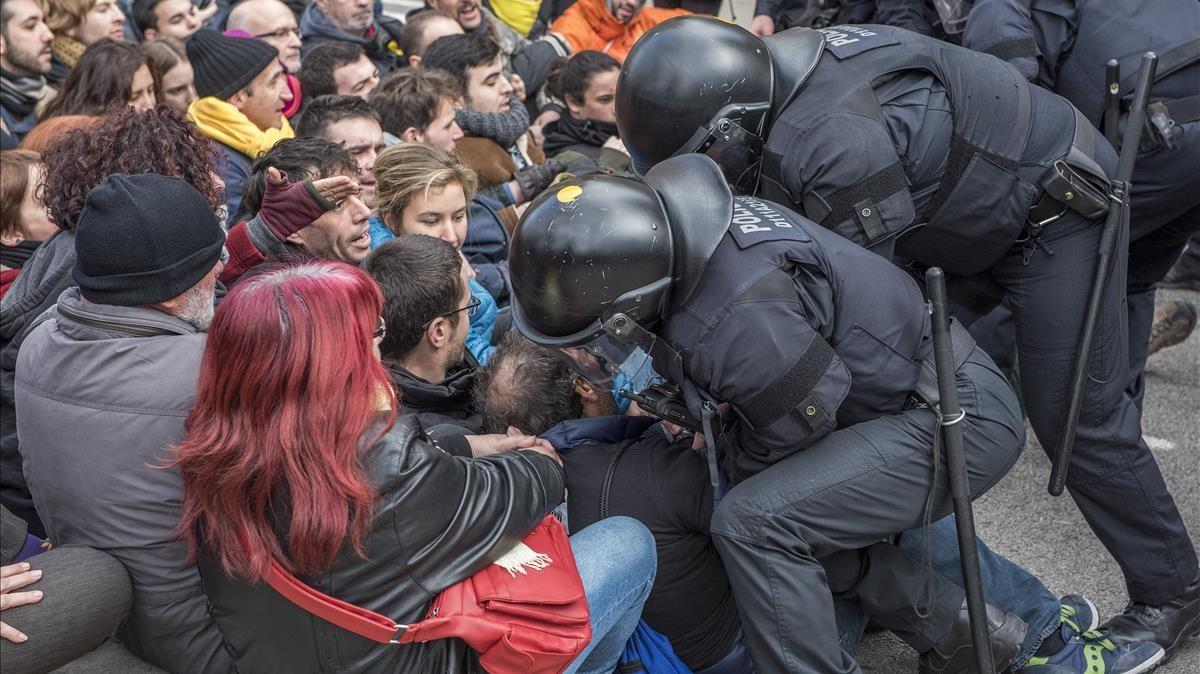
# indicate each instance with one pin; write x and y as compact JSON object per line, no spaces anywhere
{"x":289,"y":207}
{"x":14,"y":577}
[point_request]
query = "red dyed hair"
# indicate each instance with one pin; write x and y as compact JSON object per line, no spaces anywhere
{"x":289,"y":386}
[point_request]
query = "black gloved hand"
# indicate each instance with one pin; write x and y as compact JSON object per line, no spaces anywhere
{"x":534,"y":179}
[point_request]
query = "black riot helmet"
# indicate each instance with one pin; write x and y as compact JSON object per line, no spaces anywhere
{"x":697,"y":84}
{"x":586,"y":247}
{"x":597,"y":262}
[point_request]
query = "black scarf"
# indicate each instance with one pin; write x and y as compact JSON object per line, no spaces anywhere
{"x":15,"y":257}
{"x":20,"y":95}
{"x":568,"y":131}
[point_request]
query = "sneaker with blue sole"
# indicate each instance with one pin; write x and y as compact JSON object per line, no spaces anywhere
{"x":1091,"y":653}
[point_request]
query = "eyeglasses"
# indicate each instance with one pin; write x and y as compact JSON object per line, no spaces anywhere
{"x":471,"y":308}
{"x":381,"y":331}
{"x":281,"y":33}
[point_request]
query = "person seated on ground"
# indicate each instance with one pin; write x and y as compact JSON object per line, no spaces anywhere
{"x":161,"y":18}
{"x":337,"y":68}
{"x":427,"y":305}
{"x":497,"y":144}
{"x":352,"y":124}
{"x":303,"y":202}
{"x":420,"y":32}
{"x":366,"y":474}
{"x":131,"y":142}
{"x":242,"y":94}
{"x":93,"y":455}
{"x":422,"y":190}
{"x":109,"y":76}
{"x":274,"y":23}
{"x":174,"y":80}
{"x":586,"y":83}
{"x":354,"y":22}
{"x":24,"y":63}
{"x":77,"y":25}
{"x":609,"y":26}
{"x":24,"y":223}
{"x":627,"y":457}
{"x":70,"y":599}
{"x":528,"y":59}
{"x":417,"y":106}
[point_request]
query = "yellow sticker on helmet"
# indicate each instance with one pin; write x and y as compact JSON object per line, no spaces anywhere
{"x":569,"y":193}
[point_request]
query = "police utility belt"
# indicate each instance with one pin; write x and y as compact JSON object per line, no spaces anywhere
{"x":1075,"y":183}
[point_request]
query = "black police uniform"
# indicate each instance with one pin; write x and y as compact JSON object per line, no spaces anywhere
{"x":1064,"y":47}
{"x":817,"y":345}
{"x":821,"y":349}
{"x":938,"y":154}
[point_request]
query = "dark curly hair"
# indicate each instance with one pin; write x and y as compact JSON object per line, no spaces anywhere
{"x":153,"y":141}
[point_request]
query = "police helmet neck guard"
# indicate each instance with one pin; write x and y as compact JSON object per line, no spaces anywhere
{"x":667,"y":104}
{"x":699,"y":207}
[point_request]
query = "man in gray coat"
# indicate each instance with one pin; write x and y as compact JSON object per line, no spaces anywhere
{"x":103,"y":385}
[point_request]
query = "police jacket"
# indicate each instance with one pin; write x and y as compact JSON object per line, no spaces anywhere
{"x":1064,"y":45}
{"x":800,"y":330}
{"x":906,"y":144}
{"x":438,"y":520}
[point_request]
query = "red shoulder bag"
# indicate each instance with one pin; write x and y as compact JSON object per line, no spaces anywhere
{"x":526,"y":612}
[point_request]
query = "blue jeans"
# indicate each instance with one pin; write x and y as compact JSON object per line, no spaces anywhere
{"x":1005,"y":584}
{"x":616,"y":561}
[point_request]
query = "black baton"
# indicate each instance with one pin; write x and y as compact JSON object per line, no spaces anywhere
{"x":950,"y":415}
{"x":1114,"y":226}
{"x":1112,"y":102}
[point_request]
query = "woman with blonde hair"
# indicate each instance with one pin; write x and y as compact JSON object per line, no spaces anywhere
{"x":420,"y":189}
{"x":77,"y":25}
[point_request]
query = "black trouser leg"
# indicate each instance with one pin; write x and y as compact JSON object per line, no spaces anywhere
{"x":851,"y":489}
{"x":1113,"y":477}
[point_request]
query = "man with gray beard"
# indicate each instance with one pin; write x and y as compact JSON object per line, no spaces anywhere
{"x":103,"y":385}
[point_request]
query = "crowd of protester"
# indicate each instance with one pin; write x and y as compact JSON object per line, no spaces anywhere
{"x":255,"y":307}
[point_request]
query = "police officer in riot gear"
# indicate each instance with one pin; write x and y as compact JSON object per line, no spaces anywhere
{"x":1065,"y":47}
{"x":815,"y":344}
{"x":936,"y":155}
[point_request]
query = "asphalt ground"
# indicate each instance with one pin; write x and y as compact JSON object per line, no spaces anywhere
{"x":1049,"y":537}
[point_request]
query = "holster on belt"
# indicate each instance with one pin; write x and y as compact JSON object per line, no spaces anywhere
{"x":963,"y":344}
{"x":1076,"y":182}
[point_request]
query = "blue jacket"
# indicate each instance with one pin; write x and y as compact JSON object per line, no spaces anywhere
{"x":486,"y":246}
{"x":234,"y":169}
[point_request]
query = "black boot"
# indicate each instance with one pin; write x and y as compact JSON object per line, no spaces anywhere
{"x":956,"y":653}
{"x":1166,"y":624}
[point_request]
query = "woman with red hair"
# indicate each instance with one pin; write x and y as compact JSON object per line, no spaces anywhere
{"x":296,"y":450}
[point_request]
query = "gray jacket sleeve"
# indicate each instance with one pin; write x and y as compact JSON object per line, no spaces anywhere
{"x":781,"y":378}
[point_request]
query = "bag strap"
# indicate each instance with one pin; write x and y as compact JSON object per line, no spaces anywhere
{"x":361,"y":621}
{"x":608,"y":477}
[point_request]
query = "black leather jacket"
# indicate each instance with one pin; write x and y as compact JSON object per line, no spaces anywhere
{"x":439,"y":519}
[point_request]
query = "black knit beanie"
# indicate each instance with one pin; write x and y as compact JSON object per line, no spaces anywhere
{"x":144,"y":239}
{"x":224,"y":65}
